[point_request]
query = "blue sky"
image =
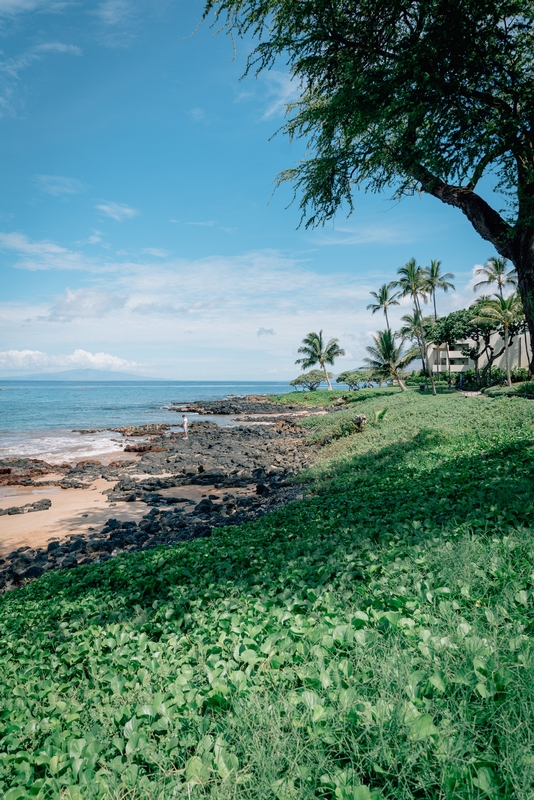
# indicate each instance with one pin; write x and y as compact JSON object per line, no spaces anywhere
{"x":138,"y":230}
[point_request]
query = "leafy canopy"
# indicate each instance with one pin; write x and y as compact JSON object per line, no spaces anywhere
{"x":310,"y":380}
{"x":315,"y":351}
{"x":352,"y":377}
{"x":418,"y":94}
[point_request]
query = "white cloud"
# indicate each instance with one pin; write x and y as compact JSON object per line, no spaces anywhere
{"x":281,"y":90}
{"x":155,"y":308}
{"x":85,"y":304}
{"x":119,"y":22}
{"x":57,"y":185}
{"x":10,"y":8}
{"x":117,"y":211}
{"x":208,"y":224}
{"x":82,"y":359}
{"x":41,"y":255}
{"x":369,"y":233}
{"x":197,"y":114}
{"x":94,"y":238}
{"x":11,"y":68}
{"x":157,"y":252}
{"x":266,"y":332}
{"x":114,"y":12}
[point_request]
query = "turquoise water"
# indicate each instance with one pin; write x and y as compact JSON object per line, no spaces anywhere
{"x":38,"y":418}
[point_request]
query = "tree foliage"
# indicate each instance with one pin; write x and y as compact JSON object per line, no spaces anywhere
{"x":388,"y":357}
{"x":352,"y":378}
{"x":415,"y":95}
{"x":316,"y":351}
{"x":471,"y":323}
{"x":310,"y":380}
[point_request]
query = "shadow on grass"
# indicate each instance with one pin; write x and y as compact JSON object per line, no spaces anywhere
{"x":408,"y":491}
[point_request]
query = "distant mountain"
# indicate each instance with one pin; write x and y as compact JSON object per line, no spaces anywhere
{"x":81,"y":375}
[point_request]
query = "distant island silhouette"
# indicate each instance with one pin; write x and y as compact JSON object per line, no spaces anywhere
{"x":81,"y":375}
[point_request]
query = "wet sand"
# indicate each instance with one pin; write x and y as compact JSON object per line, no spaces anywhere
{"x":76,"y":511}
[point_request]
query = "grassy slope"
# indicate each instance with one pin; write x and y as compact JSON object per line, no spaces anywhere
{"x":372,"y":641}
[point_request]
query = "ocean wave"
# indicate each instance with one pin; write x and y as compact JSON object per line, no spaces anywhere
{"x":57,"y":446}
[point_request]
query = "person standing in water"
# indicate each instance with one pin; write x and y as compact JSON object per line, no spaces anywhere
{"x":185,"y":425}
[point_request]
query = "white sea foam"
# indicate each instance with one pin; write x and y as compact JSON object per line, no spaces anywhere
{"x":58,"y":446}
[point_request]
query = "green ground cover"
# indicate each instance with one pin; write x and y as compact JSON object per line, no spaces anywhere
{"x":372,"y":641}
{"x":525,"y":389}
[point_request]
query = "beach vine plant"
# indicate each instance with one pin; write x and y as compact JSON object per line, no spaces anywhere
{"x":371,"y":642}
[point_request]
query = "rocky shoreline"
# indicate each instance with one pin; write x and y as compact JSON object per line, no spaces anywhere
{"x":240,"y":472}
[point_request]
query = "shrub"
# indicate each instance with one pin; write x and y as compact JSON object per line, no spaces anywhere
{"x":310,"y":380}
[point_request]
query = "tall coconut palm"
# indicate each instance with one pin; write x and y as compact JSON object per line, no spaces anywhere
{"x":437,"y":280}
{"x":413,"y":282}
{"x":495,"y":270}
{"x":503,"y":312}
{"x":316,"y":352}
{"x":411,"y":330}
{"x":388,"y":356}
{"x":384,"y":298}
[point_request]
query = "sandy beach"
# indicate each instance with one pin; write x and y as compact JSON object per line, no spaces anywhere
{"x":171,"y":490}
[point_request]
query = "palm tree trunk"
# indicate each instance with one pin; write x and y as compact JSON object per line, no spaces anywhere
{"x":327,"y":378}
{"x":424,"y":345}
{"x":387,"y":320}
{"x":401,"y":383}
{"x":507,"y":358}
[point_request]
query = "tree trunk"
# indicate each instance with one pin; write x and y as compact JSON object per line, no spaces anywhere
{"x":421,"y":332}
{"x":524,"y":264}
{"x":401,"y":383}
{"x":327,"y":378}
{"x":515,"y":242}
{"x":507,"y":358}
{"x":387,"y":320}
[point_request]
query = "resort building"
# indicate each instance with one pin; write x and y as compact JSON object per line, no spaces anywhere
{"x":441,"y":357}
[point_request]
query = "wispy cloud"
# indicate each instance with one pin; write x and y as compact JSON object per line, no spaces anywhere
{"x":117,"y":211}
{"x":84,"y":304}
{"x":57,"y":185}
{"x":82,"y":359}
{"x":281,"y":90}
{"x":368,"y":232}
{"x":42,"y":255}
{"x":10,"y":8}
{"x":118,"y":21}
{"x":157,"y":252}
{"x":208,"y":224}
{"x":115,"y":12}
{"x":197,"y":114}
{"x":149,"y":309}
{"x":11,"y":68}
{"x":266,"y":332}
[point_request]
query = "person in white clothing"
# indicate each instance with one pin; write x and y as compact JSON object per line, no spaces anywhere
{"x":185,"y":425}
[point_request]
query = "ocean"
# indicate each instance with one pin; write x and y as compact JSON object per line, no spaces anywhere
{"x":40,"y":419}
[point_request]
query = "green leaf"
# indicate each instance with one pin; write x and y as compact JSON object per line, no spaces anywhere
{"x":438,"y":681}
{"x":226,"y":763}
{"x":196,"y":771}
{"x":422,"y":727}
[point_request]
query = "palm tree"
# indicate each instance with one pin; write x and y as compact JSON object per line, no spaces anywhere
{"x":383,"y":300}
{"x":316,"y":352}
{"x":436,"y":280}
{"x":388,"y":357}
{"x":412,"y":330}
{"x":413,"y":282}
{"x":504,"y":312}
{"x":495,"y":270}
